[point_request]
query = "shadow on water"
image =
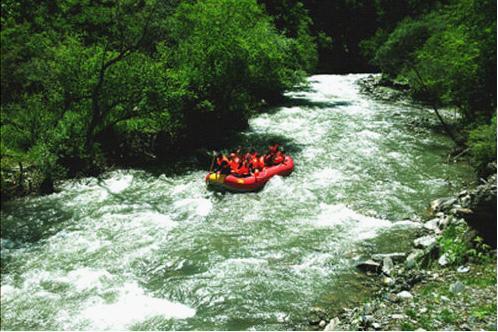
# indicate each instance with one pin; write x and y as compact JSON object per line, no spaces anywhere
{"x":33,"y":221}
{"x":200,"y":159}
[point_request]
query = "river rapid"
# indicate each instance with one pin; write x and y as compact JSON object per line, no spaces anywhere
{"x":138,"y":249}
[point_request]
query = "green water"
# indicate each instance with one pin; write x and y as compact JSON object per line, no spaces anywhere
{"x":141,"y":250}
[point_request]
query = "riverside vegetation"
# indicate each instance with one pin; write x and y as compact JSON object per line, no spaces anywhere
{"x":90,"y":85}
{"x":86,"y":85}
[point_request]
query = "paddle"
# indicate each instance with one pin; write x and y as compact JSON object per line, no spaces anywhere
{"x":212,"y":162}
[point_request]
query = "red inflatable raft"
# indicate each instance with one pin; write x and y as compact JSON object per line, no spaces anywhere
{"x":250,"y":183}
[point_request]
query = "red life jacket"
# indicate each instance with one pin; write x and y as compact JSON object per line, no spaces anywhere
{"x":255,"y":162}
{"x":261,"y":161}
{"x":279,"y":157}
{"x":242,"y":170}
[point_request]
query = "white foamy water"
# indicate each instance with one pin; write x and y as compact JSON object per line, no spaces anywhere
{"x":140,"y":250}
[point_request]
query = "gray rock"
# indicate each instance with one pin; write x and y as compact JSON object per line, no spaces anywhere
{"x":376,"y":326}
{"x":413,"y":258}
{"x":463,"y":269}
{"x":332,"y":326}
{"x":322,"y":324}
{"x":366,"y":320}
{"x":444,"y":298}
{"x":388,"y":281}
{"x":443,"y":260}
{"x":491,"y":327}
{"x":395,"y":256}
{"x":404,"y":295}
{"x":442,"y":204}
{"x":457,"y":287}
{"x":368,"y":266}
{"x":465,"y":200}
{"x":398,"y":316}
{"x":424,"y":241}
{"x":387,"y":265}
{"x":432,"y":225}
{"x":445,"y":221}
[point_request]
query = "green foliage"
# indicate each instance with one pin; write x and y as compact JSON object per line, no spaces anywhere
{"x":457,"y":246}
{"x":482,"y":143}
{"x":80,"y":78}
{"x":448,"y":57}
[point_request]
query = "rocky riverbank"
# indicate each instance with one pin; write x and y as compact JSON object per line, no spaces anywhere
{"x":446,"y":282}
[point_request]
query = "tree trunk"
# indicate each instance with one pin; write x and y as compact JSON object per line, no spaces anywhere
{"x":446,"y":128}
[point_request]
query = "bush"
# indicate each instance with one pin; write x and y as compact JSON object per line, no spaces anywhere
{"x":482,"y":144}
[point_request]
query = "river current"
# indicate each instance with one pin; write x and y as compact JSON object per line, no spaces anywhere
{"x":136,"y":249}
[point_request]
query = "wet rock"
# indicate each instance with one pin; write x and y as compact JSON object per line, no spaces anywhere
{"x":462,"y":212}
{"x":457,"y":287}
{"x":387,"y":265}
{"x":432,"y":225}
{"x":424,"y":241}
{"x":463,"y":269}
{"x":368,"y":266}
{"x":442,"y":204}
{"x":395,"y":256}
{"x":404,"y":295}
{"x":445,"y":221}
{"x":465,"y":201}
{"x":332,"y":326}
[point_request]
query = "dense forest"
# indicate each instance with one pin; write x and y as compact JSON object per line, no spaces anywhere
{"x":88,"y":84}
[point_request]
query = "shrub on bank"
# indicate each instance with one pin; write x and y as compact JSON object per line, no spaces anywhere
{"x":92,"y":82}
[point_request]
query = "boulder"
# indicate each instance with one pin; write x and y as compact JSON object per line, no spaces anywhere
{"x":424,"y":241}
{"x":483,"y":205}
{"x":395,"y":256}
{"x":432,"y":225}
{"x":388,"y":281}
{"x":387,"y":265}
{"x":442,"y":204}
{"x":413,"y":258}
{"x":404,"y":295}
{"x":457,"y":287}
{"x":368,"y":266}
{"x":332,"y":326}
{"x":398,"y":316}
{"x":443,"y":260}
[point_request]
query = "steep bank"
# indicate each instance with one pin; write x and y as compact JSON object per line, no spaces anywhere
{"x":446,"y":282}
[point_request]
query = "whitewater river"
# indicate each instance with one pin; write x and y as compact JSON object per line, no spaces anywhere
{"x":139,"y":249}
